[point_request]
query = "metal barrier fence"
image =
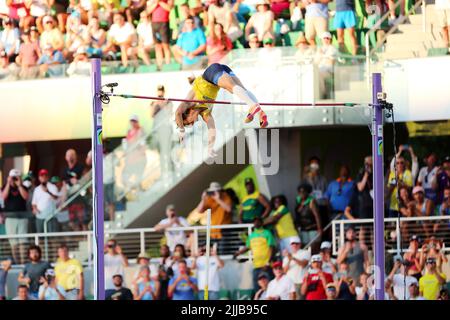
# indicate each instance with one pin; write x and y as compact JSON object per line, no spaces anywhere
{"x":397,"y":233}
{"x":132,"y":241}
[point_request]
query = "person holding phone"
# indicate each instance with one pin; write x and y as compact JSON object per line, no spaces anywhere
{"x":173,"y":221}
{"x":49,"y":290}
{"x":15,"y":197}
{"x":43,"y":203}
{"x":115,"y":262}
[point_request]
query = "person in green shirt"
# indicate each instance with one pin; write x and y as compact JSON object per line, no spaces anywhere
{"x":262,"y":245}
{"x":283,"y":223}
{"x":254,"y":204}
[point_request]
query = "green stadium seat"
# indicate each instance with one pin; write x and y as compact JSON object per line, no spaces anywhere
{"x":435,"y":52}
{"x":242,"y":294}
{"x":107,"y":70}
{"x":292,"y":38}
{"x":173,"y":66}
{"x":224,"y":294}
{"x":122,"y":69}
{"x":147,"y":69}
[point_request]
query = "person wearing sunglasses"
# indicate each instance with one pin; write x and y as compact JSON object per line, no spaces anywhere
{"x":405,"y":177}
{"x":431,"y":282}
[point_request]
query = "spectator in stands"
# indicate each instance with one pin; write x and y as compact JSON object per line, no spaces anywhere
{"x":75,"y":36}
{"x":15,"y":197}
{"x":164,"y":271}
{"x":340,"y":192}
{"x":400,"y":280}
{"x":115,"y":262}
{"x":80,"y":66}
{"x":354,"y":253}
{"x":262,"y":244}
{"x":215,"y":264}
{"x":253,"y":41}
{"x":147,"y":288}
{"x":307,"y":216}
{"x":217,"y":45}
{"x":263,"y":283}
{"x":316,"y":19}
{"x":411,"y":258}
{"x":191,"y":46}
{"x":179,"y":254}
{"x":345,"y":19}
{"x":34,"y":35}
{"x":22,"y":293}
{"x":121,"y":38}
{"x":118,"y":291}
{"x":427,"y":175}
{"x":442,"y":8}
{"x":430,"y":283}
{"x":305,"y":53}
{"x":432,"y":249}
{"x":315,"y":281}
{"x":443,"y":210}
{"x":220,"y":203}
{"x":362,"y":290}
{"x":51,"y":35}
{"x":364,"y":185}
{"x":328,"y":262}
{"x":422,"y":207}
{"x":281,"y":220}
{"x":254,"y":204}
{"x":69,"y":274}
{"x":133,"y":9}
{"x":44,"y":204}
{"x":59,"y":7}
{"x":325,"y":59}
{"x":182,"y":286}
{"x":346,"y":288}
{"x":8,"y":71}
{"x":317,"y":181}
{"x":135,"y":159}
{"x":34,"y":270}
{"x":295,"y":264}
{"x":404,"y":177}
{"x":10,"y":39}
{"x":143,"y":260}
{"x":268,"y":42}
{"x":185,"y":12}
{"x":95,"y":38}
{"x":220,"y":11}
{"x":50,"y":62}
{"x":28,"y":57}
{"x":261,"y":22}
{"x":49,"y":289}
{"x":442,"y":179}
{"x":414,"y":293}
{"x":5,"y":266}
{"x":331,"y":291}
{"x":159,"y":11}
{"x":281,"y":287}
{"x":173,"y":221}
{"x":146,"y":43}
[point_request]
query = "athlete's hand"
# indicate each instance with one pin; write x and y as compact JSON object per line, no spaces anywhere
{"x":181,"y":136}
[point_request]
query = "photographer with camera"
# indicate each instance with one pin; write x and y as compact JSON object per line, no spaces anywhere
{"x":115,"y":262}
{"x":431,"y":282}
{"x":405,"y":177}
{"x":173,"y":221}
{"x":400,"y":280}
{"x":221,"y":205}
{"x":15,"y":197}
{"x":345,"y":286}
{"x":432,"y":248}
{"x":315,"y":280}
{"x":49,"y":290}
{"x":45,"y":196}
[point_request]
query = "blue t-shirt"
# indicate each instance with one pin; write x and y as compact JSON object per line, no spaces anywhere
{"x":50,"y":293}
{"x":142,"y":286}
{"x":57,"y":57}
{"x":345,"y":5}
{"x":183,"y":291}
{"x":317,"y":10}
{"x":190,"y":41}
{"x":340,"y":195}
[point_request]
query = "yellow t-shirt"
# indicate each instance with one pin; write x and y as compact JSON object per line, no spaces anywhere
{"x":261,"y":242}
{"x":204,"y":90}
{"x":285,"y":226}
{"x":407,"y":179}
{"x":429,"y":286}
{"x":68,"y":273}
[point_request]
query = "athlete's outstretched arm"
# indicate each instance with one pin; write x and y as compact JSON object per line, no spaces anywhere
{"x":181,"y":109}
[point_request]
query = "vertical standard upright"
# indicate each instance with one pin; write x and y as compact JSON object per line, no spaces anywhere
{"x":378,"y":185}
{"x":97,"y":179}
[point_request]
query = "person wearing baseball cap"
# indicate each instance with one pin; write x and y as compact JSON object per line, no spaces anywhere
{"x":423,"y":205}
{"x":295,"y":264}
{"x":263,"y":283}
{"x":50,"y":290}
{"x":281,"y":287}
{"x":253,"y":204}
{"x":328,"y":262}
{"x":43,"y":203}
{"x":316,"y":280}
{"x":173,"y":221}
{"x":431,"y":282}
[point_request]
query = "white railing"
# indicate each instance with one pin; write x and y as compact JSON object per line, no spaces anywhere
{"x":398,"y":231}
{"x":132,"y":241}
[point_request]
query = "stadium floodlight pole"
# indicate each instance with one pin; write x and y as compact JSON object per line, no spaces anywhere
{"x":97,"y":182}
{"x":208,"y":245}
{"x":378,"y":185}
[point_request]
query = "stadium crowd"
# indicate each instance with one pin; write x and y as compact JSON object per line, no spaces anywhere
{"x":38,"y":36}
{"x":282,"y":268}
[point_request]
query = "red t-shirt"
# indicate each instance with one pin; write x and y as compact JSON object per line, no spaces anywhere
{"x":216,"y":57}
{"x":160,"y":14}
{"x":29,"y":53}
{"x":315,"y":290}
